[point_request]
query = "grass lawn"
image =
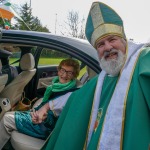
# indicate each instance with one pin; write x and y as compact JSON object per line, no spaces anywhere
{"x":50,"y":61}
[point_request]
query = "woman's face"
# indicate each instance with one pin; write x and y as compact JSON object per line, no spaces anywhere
{"x":65,"y":74}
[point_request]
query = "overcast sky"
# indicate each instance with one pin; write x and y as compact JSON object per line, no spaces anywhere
{"x":135,"y":14}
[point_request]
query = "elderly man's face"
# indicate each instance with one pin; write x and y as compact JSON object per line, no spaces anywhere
{"x":111,"y":51}
{"x":108,"y":43}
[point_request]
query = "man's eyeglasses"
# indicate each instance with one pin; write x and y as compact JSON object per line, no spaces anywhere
{"x":69,"y":73}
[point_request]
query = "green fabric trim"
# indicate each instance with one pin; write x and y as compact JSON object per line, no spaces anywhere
{"x":89,"y":28}
{"x":7,"y":4}
{"x":57,"y":87}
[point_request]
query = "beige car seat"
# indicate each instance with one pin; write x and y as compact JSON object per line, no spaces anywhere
{"x":3,"y":78}
{"x":91,"y":73}
{"x":13,"y":91}
{"x":88,"y":75}
{"x":4,"y":102}
{"x":22,"y":141}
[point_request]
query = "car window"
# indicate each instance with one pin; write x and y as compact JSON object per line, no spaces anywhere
{"x":10,"y":54}
{"x":51,"y":57}
{"x":19,"y":50}
{"x":54,"y":57}
{"x":16,"y":54}
{"x":14,"y":57}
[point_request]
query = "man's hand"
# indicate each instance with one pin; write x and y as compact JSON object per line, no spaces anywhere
{"x":40,"y":115}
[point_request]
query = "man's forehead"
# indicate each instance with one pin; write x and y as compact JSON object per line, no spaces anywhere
{"x":107,"y":38}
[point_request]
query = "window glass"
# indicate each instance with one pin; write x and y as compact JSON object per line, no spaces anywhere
{"x":13,"y":56}
{"x":54,"y":57}
{"x":51,"y":57}
{"x":82,"y":72}
{"x":16,"y":54}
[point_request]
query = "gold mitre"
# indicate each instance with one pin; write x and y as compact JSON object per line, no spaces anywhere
{"x":102,"y":21}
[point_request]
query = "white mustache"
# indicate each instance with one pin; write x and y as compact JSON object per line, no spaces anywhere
{"x":112,"y":66}
{"x":107,"y":53}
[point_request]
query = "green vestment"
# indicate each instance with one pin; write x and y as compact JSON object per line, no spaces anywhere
{"x":70,"y":132}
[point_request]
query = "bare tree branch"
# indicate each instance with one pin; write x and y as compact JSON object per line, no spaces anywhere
{"x":74,"y":26}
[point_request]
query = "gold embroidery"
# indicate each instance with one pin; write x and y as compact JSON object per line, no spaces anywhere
{"x":97,"y":17}
{"x":99,"y":115}
{"x":106,"y":29}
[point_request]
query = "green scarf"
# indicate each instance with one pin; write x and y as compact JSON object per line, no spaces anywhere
{"x":57,"y":87}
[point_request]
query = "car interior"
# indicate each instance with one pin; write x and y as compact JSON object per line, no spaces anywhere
{"x":25,"y":75}
{"x":21,"y":80}
{"x":3,"y":101}
{"x":3,"y":78}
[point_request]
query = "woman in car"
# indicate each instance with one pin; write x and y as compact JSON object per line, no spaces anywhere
{"x":39,"y":122}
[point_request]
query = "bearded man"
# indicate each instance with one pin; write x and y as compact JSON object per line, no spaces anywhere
{"x":112,"y":111}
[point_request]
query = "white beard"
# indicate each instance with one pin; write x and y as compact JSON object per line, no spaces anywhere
{"x":113,"y":66}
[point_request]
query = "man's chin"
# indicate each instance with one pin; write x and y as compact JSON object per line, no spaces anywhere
{"x":111,"y":68}
{"x":113,"y":64}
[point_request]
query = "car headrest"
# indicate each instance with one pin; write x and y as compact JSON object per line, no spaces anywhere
{"x":4,"y":53}
{"x":0,"y":67}
{"x":27,"y":62}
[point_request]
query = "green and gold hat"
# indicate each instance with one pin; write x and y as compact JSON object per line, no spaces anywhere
{"x":102,"y":21}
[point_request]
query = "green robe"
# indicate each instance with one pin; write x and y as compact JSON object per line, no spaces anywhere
{"x":71,"y":129}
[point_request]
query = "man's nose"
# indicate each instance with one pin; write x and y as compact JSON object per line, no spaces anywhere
{"x":108,"y":46}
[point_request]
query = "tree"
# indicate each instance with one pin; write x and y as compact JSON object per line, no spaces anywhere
{"x":73,"y":21}
{"x":82,"y":29}
{"x":28,"y":22}
{"x":2,"y":23}
{"x":74,"y":26}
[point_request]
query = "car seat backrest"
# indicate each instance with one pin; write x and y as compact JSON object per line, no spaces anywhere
{"x":11,"y":71}
{"x":0,"y":67}
{"x":13,"y":91}
{"x":88,"y":75}
{"x":91,"y":73}
{"x":3,"y":78}
{"x":78,"y":83}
